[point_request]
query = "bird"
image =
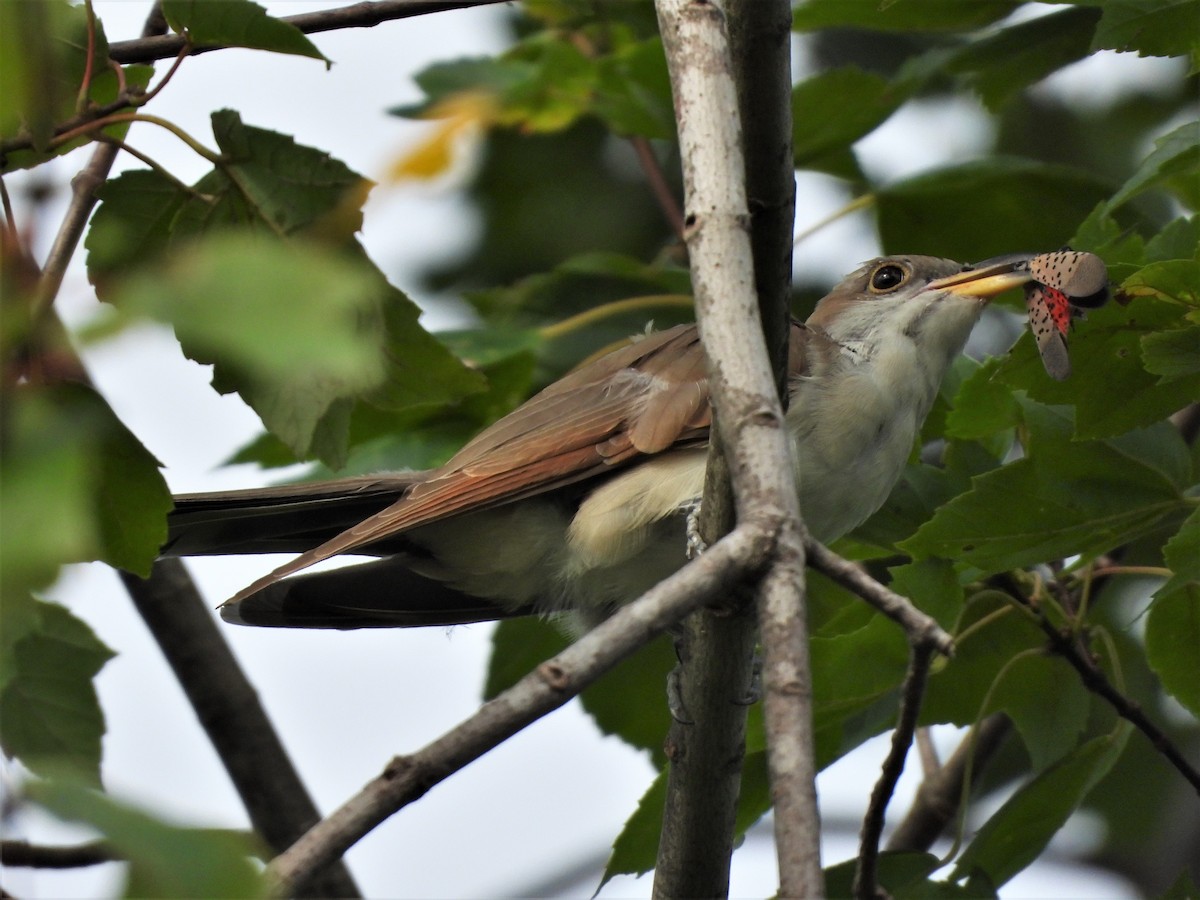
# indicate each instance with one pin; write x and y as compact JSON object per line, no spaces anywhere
{"x":577,"y":501}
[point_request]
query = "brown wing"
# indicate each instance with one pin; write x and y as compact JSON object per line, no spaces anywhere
{"x":640,"y":399}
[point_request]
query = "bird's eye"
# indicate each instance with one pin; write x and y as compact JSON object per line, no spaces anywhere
{"x":887,"y":278}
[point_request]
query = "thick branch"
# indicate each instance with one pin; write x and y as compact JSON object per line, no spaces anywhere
{"x":706,"y":753}
{"x":356,"y":15}
{"x":732,"y":561}
{"x":750,"y":417}
{"x":228,"y":709}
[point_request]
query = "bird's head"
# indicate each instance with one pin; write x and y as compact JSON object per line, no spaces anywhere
{"x":929,"y":301}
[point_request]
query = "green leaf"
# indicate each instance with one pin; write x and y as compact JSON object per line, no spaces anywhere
{"x":991,"y":634}
{"x":1151,"y":27}
{"x":924,"y":15}
{"x":132,"y":225}
{"x":1182,"y":554}
{"x":1008,"y":61}
{"x":832,"y":110}
{"x":1176,"y":155}
{"x":164,"y":860}
{"x":981,"y":208}
{"x":237,"y":23}
{"x":76,"y":486}
{"x":630,"y":702}
{"x":983,"y":405}
{"x":1066,"y":497}
{"x":48,"y":704}
{"x":518,"y":647}
{"x":1173,"y":625}
{"x":1014,"y":837}
{"x":1047,"y":703}
{"x":1173,"y":354}
{"x":1107,"y":361}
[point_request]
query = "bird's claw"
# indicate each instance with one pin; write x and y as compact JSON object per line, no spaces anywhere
{"x":696,"y":544}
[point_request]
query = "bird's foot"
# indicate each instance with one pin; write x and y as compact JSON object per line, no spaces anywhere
{"x":695,"y":543}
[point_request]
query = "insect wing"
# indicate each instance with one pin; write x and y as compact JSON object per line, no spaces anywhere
{"x":1081,"y":276}
{"x":1049,"y":317}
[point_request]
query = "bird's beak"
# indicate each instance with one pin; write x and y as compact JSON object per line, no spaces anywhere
{"x":986,"y":279}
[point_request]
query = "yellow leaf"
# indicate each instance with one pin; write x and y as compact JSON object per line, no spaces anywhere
{"x":463,"y":118}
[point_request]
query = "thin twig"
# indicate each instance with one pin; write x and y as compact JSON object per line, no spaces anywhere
{"x":1094,"y":679}
{"x":36,"y":856}
{"x":356,"y":15}
{"x":729,"y":562}
{"x":940,"y":795}
{"x":658,"y":184}
{"x":866,"y":876}
{"x":920,"y":628}
{"x":930,"y":764}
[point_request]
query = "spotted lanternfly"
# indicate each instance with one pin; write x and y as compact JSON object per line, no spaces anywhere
{"x":1062,"y":282}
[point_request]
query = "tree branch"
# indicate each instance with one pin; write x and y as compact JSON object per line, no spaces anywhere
{"x":733,"y":560}
{"x":35,"y":856}
{"x":866,"y":875}
{"x":357,"y":15}
{"x":704,"y":780}
{"x":228,"y":708}
{"x":921,"y":629}
{"x":750,"y":417}
{"x":940,"y":794}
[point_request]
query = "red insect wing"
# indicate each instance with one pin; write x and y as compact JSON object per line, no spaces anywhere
{"x":1043,"y":322}
{"x":1059,"y":307}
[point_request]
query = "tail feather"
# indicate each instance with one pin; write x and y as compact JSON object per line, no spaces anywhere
{"x":380,"y":594}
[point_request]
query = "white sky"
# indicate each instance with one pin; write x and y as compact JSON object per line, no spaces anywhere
{"x":345,"y":703}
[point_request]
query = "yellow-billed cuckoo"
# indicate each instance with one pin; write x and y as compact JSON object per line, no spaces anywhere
{"x":577,"y":499}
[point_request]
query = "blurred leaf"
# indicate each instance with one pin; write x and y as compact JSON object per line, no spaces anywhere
{"x":76,"y":486}
{"x":164,"y":860}
{"x":296,"y":330}
{"x":978,"y":209}
{"x":1009,"y":60}
{"x":1151,"y":27}
{"x":1177,"y":280}
{"x":1065,"y":498}
{"x":1184,"y":888}
{"x":48,"y":704}
{"x":633,"y":91}
{"x":1014,"y":836}
{"x":1173,"y":632}
{"x":1175,"y":156}
{"x":237,"y":23}
{"x":834,"y":109}
{"x":43,"y":58}
{"x":931,"y":15}
{"x":559,"y":90}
